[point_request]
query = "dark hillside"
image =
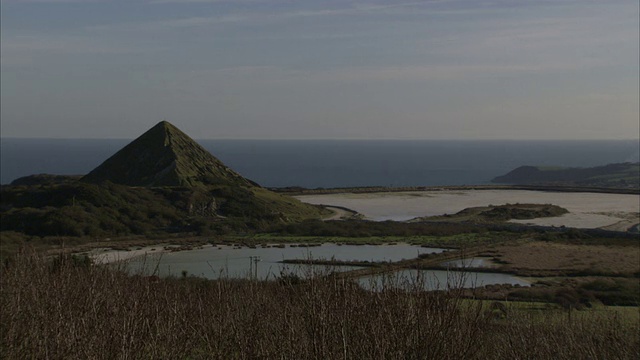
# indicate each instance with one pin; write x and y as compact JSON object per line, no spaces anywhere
{"x":622,"y":175}
{"x":45,"y":179}
{"x":89,"y":210}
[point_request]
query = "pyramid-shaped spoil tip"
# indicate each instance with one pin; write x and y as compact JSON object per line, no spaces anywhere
{"x":165,"y":156}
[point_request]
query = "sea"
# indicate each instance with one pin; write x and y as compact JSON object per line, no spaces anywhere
{"x":334,"y":163}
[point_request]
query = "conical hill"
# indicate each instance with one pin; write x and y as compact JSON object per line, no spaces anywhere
{"x":165,"y":156}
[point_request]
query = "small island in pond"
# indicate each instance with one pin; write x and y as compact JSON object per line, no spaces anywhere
{"x":500,"y":213}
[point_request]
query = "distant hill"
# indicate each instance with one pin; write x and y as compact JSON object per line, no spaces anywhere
{"x":621,"y":175}
{"x":165,"y":156}
{"x":161,"y":182}
{"x":45,"y":179}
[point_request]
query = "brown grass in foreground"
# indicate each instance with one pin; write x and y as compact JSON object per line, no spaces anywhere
{"x":61,"y":310}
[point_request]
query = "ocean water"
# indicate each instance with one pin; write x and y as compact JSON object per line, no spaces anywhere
{"x":334,"y":163}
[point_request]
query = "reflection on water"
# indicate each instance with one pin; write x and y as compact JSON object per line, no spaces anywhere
{"x":436,"y":280}
{"x":263,"y":263}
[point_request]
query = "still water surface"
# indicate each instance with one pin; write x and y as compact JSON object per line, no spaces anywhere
{"x":226,"y":261}
{"x":215,"y":262}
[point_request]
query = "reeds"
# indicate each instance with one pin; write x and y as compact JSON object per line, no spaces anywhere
{"x":66,"y":309}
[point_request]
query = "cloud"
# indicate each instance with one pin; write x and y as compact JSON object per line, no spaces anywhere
{"x":27,"y":50}
{"x":209,"y":1}
{"x":266,"y":75}
{"x":206,"y":1}
{"x":438,"y":72}
{"x":242,"y":16}
{"x":49,"y":1}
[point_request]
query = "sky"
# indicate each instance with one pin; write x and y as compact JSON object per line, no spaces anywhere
{"x":310,"y":69}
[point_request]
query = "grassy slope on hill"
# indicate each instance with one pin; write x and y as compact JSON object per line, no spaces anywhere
{"x":86,"y":210}
{"x":499,"y":213}
{"x":81,"y":209}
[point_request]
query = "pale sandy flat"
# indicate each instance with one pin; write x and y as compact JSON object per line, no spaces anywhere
{"x":106,"y":256}
{"x":586,"y":210}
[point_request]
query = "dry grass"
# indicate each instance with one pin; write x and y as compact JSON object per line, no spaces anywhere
{"x":555,"y":256}
{"x":65,"y":310}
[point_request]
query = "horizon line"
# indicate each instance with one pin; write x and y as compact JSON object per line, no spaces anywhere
{"x":321,"y":139}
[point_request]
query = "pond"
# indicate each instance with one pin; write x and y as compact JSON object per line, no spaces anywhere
{"x":437,"y":280}
{"x":214,"y":262}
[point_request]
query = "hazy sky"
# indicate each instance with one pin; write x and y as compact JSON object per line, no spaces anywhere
{"x":279,"y":69}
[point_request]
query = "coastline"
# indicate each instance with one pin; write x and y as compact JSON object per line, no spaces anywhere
{"x":294,"y":191}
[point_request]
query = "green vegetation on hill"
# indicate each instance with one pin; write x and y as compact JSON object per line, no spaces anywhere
{"x":45,"y":179}
{"x":108,"y":209}
{"x":500,"y":213}
{"x":622,"y":175}
{"x":160,"y":183}
{"x":89,"y":210}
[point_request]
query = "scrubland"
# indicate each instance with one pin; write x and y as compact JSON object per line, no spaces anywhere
{"x":68,"y":308}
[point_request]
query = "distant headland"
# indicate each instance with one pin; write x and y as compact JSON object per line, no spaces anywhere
{"x":621,"y":175}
